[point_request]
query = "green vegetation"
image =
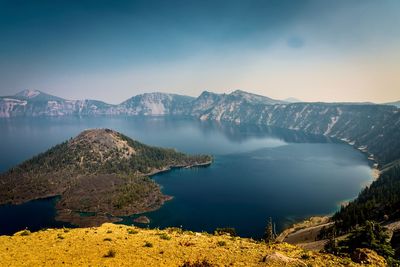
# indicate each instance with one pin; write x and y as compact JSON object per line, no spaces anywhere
{"x":99,"y":171}
{"x":132,"y":231}
{"x":363,"y":217}
{"x":174,"y":230}
{"x":371,"y":235}
{"x":110,"y":254}
{"x":84,"y":155}
{"x":154,"y":157}
{"x":148,"y":244}
{"x":380,"y":201}
{"x":133,"y":190}
{"x":59,"y":236}
{"x":25,"y":233}
{"x":269,"y":234}
{"x":165,"y":236}
{"x":221,"y":243}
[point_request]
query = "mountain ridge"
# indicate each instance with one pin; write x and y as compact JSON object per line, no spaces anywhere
{"x":37,"y":103}
{"x":24,"y":103}
{"x":371,"y":128}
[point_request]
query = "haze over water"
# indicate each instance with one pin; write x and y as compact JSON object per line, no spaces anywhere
{"x":257,"y":173}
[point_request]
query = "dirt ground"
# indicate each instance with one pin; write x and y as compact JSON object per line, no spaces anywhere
{"x":120,"y":245}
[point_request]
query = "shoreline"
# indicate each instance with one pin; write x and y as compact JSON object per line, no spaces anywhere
{"x":312,"y":221}
{"x":63,"y":215}
{"x":375,"y":173}
{"x":72,"y":217}
{"x":315,"y":222}
{"x":171,"y":167}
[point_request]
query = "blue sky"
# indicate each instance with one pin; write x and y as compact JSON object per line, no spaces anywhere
{"x":110,"y":50}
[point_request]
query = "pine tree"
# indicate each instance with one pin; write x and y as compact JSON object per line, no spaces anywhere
{"x":372,"y":235}
{"x":269,"y":235}
{"x":332,"y":246}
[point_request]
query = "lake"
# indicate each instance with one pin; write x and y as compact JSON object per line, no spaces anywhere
{"x":258,"y":172}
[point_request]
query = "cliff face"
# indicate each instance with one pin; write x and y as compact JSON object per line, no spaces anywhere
{"x":19,"y":106}
{"x":34,"y":103}
{"x":369,"y":127}
{"x":155,"y":104}
{"x":120,"y":245}
{"x":372,"y":128}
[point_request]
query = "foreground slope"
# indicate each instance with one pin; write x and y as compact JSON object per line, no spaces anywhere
{"x":120,"y":245}
{"x":99,"y":171}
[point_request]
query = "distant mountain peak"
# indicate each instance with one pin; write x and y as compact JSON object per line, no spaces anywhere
{"x":242,"y":92}
{"x":36,"y":95}
{"x":255,"y":98}
{"x":206,"y":93}
{"x":29,"y":93}
{"x":238,"y":91}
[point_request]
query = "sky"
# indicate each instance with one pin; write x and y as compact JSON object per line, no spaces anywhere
{"x":332,"y":51}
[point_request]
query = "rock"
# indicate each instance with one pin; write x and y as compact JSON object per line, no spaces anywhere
{"x":142,"y":219}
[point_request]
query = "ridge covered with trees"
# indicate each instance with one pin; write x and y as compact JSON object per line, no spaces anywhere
{"x":100,"y":171}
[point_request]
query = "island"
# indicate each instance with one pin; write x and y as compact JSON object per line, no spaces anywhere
{"x":99,"y":176}
{"x":142,"y":220}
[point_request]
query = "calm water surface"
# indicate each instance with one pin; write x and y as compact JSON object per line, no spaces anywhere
{"x":257,"y":173}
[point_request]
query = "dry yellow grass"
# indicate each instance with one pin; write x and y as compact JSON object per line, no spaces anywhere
{"x":89,"y":246}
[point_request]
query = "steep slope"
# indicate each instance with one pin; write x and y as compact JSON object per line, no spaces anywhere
{"x":33,"y":103}
{"x":229,"y":107}
{"x":120,"y":245}
{"x":379,"y":202}
{"x":155,"y":104}
{"x":36,"y":96}
{"x":372,"y":128}
{"x":99,"y":171}
{"x":396,"y":104}
{"x":91,"y":107}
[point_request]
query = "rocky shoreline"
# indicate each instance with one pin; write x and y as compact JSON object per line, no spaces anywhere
{"x":166,"y":169}
{"x":97,"y":219}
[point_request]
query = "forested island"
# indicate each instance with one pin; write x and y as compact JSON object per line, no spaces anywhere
{"x":100,"y":172}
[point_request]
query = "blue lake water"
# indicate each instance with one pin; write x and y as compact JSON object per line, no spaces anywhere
{"x":258,"y":172}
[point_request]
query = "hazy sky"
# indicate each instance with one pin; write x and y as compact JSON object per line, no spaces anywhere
{"x":110,"y":50}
